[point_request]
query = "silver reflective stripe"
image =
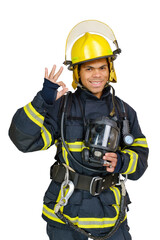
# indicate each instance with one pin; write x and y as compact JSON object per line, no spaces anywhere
{"x":38,"y":119}
{"x":34,"y":115}
{"x":47,"y":139}
{"x":89,"y":222}
{"x":84,"y":222}
{"x":116,"y":194}
{"x":77,"y":147}
{"x":133,"y":161}
{"x":140,"y":142}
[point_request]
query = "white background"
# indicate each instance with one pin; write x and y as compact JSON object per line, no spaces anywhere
{"x":33,"y":35}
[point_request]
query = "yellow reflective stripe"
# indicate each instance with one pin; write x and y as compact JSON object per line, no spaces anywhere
{"x":117,"y":195}
{"x":33,"y":117}
{"x":65,"y":155}
{"x":76,"y":146}
{"x":89,"y":222}
{"x":140,"y":142}
{"x":133,"y":161}
{"x":73,"y":147}
{"x":50,"y":214}
{"x":38,"y":119}
{"x":37,"y":114}
{"x":82,"y":222}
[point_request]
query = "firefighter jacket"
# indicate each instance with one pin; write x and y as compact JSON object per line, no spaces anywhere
{"x":37,"y":126}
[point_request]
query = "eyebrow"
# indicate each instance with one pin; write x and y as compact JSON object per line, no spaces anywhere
{"x":88,"y":66}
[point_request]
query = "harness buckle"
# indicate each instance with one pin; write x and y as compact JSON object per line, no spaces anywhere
{"x":96,"y":186}
{"x":123,"y":178}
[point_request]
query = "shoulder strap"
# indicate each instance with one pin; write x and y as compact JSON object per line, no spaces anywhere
{"x":66,"y":102}
{"x":120,"y":108}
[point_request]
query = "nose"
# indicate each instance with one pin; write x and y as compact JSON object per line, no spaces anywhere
{"x":96,"y":73}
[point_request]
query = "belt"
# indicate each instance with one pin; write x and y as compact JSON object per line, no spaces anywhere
{"x":95,"y":185}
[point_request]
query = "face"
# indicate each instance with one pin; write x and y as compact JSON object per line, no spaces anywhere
{"x":94,"y":75}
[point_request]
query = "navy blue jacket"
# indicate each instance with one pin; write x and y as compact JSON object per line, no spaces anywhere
{"x":37,"y":126}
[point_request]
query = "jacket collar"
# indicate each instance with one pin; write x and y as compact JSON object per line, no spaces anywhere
{"x":86,"y":94}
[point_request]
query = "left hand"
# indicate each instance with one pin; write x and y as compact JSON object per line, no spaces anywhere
{"x":112,"y":159}
{"x":53,"y":77}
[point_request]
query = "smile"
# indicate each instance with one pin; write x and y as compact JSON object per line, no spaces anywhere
{"x":96,"y":83}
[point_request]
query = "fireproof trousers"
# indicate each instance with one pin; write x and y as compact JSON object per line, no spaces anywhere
{"x":55,"y":233}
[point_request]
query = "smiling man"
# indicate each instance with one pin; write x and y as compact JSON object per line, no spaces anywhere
{"x":98,"y":139}
{"x":94,"y":76}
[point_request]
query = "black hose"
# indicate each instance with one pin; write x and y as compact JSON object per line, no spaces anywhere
{"x":65,"y":145}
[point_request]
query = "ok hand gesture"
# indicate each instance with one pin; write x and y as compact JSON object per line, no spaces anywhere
{"x":53,"y":77}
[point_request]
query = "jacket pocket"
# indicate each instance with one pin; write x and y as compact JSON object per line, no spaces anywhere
{"x":51,"y":195}
{"x":74,"y":135}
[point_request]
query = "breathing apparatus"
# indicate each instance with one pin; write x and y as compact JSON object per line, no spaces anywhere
{"x":102,"y":135}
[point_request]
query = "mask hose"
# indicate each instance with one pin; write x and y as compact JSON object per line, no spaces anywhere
{"x":112,"y":113}
{"x":65,"y":145}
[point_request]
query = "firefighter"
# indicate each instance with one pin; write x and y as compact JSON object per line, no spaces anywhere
{"x":98,"y":140}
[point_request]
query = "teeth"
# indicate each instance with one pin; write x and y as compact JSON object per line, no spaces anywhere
{"x":95,"y":82}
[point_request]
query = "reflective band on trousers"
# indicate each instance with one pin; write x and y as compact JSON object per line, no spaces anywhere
{"x":38,"y":119}
{"x":89,"y":222}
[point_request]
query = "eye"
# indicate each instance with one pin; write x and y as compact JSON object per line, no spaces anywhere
{"x":103,"y":67}
{"x":89,"y":69}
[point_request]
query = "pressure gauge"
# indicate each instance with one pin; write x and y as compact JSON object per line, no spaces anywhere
{"x":128,"y":139}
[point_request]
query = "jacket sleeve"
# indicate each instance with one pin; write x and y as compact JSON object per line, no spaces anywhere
{"x":134,"y":157}
{"x":35,"y":126}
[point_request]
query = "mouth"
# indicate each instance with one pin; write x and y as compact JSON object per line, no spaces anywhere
{"x":96,"y":83}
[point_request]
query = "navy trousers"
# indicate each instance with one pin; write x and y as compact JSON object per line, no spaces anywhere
{"x":55,"y":233}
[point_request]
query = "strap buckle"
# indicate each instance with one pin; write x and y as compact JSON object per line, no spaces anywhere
{"x":96,"y":186}
{"x":123,"y":178}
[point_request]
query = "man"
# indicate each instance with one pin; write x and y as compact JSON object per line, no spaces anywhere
{"x":97,"y":137}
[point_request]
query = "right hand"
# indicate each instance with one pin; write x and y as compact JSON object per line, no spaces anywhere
{"x":54,"y":77}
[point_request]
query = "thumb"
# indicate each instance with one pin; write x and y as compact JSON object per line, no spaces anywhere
{"x":61,"y":93}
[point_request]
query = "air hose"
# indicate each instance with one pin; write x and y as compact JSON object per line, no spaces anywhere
{"x":64,"y":143}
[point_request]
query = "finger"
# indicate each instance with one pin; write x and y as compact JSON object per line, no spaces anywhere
{"x":110,"y":163}
{"x":52,"y":71}
{"x":56,"y":76}
{"x":46,"y":73}
{"x":110,"y":158}
{"x":108,"y":169}
{"x":62,"y":84}
{"x":110,"y":154}
{"x":61,"y":93}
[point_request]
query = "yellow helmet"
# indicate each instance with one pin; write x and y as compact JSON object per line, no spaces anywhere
{"x":90,"y":47}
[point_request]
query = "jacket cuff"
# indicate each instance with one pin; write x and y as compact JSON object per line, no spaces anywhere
{"x":119,"y":163}
{"x":49,"y":91}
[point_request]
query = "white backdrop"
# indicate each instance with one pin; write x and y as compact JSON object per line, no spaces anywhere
{"x":33,"y":35}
